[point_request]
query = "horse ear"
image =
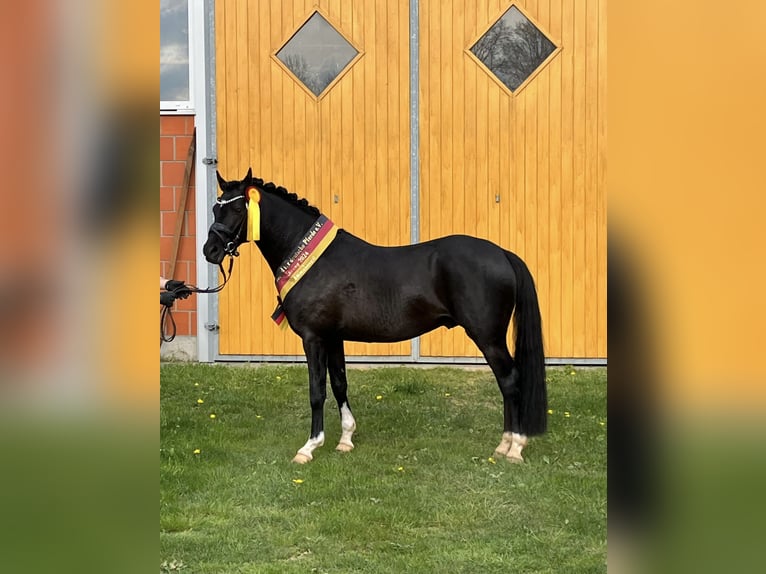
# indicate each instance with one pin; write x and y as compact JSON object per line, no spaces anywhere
{"x":221,"y":181}
{"x":249,"y":176}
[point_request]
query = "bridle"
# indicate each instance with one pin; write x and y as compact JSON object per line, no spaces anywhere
{"x":230,"y":242}
{"x":229,"y":237}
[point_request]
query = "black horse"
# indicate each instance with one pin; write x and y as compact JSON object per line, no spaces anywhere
{"x":356,"y":291}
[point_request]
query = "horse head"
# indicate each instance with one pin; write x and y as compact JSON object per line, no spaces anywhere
{"x":228,"y":230}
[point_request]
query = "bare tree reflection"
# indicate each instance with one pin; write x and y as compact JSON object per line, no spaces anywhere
{"x":513,"y":48}
{"x":317,"y":53}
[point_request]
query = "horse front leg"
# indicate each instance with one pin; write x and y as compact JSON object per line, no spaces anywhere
{"x":336,"y":363}
{"x":316,"y":355}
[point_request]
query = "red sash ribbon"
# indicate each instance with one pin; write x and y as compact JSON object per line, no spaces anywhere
{"x":292,"y":269}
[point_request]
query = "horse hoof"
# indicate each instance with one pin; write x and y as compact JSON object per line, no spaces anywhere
{"x":500,"y":452}
{"x":344,"y":447}
{"x":515,"y":459}
{"x":302,"y":458}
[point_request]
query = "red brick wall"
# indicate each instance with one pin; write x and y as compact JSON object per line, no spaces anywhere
{"x":175,"y":137}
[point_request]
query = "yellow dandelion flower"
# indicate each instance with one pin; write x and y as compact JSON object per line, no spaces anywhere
{"x":297,"y":481}
{"x":212,"y":415}
{"x":550,"y":411}
{"x":447,"y":395}
{"x":279,"y":378}
{"x":196,"y":384}
{"x":602,"y":423}
{"x":400,"y":469}
{"x":379,"y":397}
{"x":566,"y":414}
{"x":572,"y":373}
{"x":491,"y":460}
{"x":258,"y":416}
{"x":197,"y":451}
{"x":200,"y":401}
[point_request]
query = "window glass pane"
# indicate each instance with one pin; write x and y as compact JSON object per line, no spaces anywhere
{"x":513,"y":48}
{"x":174,"y":50}
{"x":316,"y":54}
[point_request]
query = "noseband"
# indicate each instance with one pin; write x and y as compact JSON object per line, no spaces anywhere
{"x":229,"y":237}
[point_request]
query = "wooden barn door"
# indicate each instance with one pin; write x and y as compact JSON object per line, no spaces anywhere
{"x":520,"y":160}
{"x":336,"y":134}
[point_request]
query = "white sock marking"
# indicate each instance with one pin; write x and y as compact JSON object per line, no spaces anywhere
{"x":348,"y":424}
{"x":312,"y":444}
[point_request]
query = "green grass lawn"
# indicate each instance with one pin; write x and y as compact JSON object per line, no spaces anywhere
{"x":420,"y":493}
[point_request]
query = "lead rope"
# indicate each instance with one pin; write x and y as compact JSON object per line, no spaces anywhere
{"x":166,"y":315}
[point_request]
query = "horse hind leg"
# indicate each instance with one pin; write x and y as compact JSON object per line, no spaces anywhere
{"x":507,"y":376}
{"x":336,"y":364}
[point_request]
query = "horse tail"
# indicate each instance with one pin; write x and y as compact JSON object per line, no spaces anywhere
{"x":529,"y":353}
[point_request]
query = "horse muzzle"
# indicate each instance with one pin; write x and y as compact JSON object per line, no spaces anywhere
{"x":221,"y":241}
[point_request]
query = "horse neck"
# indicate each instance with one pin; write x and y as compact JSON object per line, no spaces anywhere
{"x":283,"y":225}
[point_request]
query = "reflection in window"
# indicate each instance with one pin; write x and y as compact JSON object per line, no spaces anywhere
{"x":174,"y":50}
{"x":513,"y":48}
{"x":316,"y":54}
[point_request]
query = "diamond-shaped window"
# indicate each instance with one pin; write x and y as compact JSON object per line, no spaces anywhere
{"x":513,"y":48}
{"x":316,"y":54}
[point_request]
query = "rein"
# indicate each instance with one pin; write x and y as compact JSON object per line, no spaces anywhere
{"x":166,"y":315}
{"x":229,"y":239}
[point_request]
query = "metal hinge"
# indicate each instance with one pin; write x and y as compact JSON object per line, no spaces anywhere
{"x":210,"y":160}
{"x":212,"y":327}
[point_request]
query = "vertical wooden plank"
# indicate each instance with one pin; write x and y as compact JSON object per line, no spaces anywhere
{"x":243,"y":160}
{"x":344,"y":178}
{"x":277,"y":36}
{"x":424,"y":118}
{"x":222,"y":113}
{"x":264,"y":94}
{"x":433,"y":344}
{"x":447,"y":189}
{"x":404,"y":125}
{"x":579,"y":293}
{"x":553,"y":325}
{"x":276,"y":29}
{"x":469,"y":124}
{"x":591,"y":182}
{"x":358,"y":73}
{"x":258,"y":64}
{"x":505,"y":170}
{"x":298,"y":180}
{"x":567,"y":179}
{"x":233,"y":338}
{"x":601,"y":183}
{"x":371,"y":62}
{"x":487,"y":195}
{"x":456,"y":217}
{"x":381,"y":79}
{"x":483,"y":85}
{"x":392,"y":193}
{"x":530,"y":180}
{"x":542,"y":80}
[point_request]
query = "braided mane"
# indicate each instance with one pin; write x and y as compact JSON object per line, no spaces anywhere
{"x":280,"y":191}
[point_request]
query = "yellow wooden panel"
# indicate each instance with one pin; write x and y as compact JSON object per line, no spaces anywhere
{"x":352,"y":143}
{"x":542,"y":149}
